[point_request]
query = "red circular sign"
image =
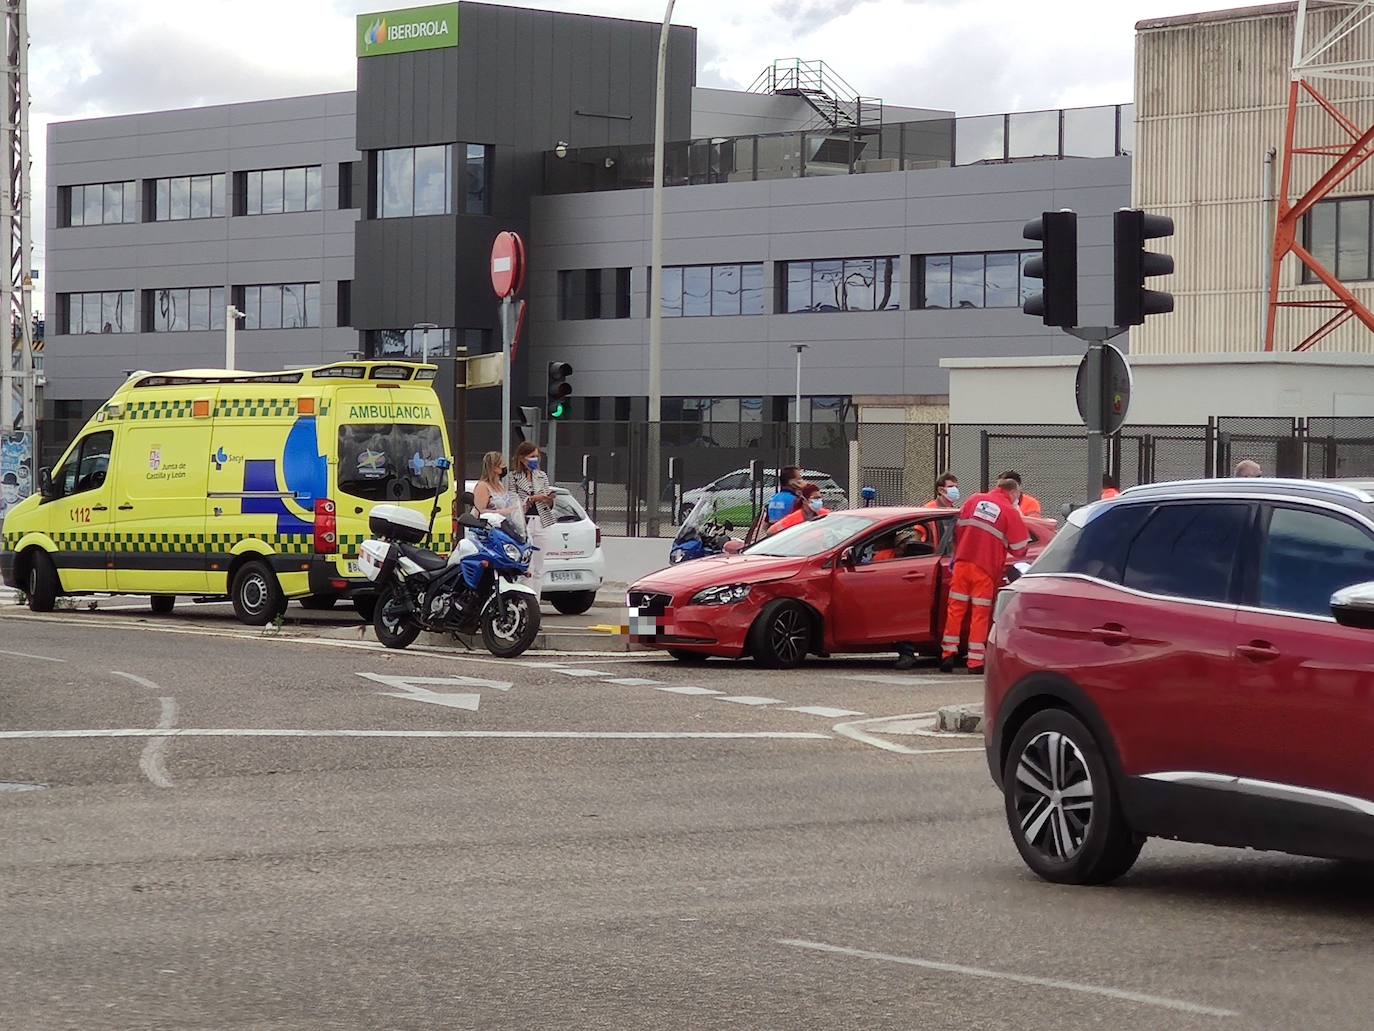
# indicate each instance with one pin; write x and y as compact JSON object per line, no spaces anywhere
{"x":507,"y":264}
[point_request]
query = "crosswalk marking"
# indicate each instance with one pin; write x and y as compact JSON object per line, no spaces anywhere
{"x":633,"y":682}
{"x":823,"y":710}
{"x":750,"y":699}
{"x":583,"y":672}
{"x":690,"y":690}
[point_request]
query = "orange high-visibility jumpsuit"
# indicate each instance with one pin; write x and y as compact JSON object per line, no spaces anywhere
{"x":990,"y":528}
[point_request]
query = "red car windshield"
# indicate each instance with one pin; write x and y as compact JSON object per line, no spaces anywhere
{"x":812,"y":538}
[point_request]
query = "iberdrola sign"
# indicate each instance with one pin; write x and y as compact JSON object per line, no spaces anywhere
{"x":402,"y":32}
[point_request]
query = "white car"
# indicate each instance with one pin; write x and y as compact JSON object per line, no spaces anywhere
{"x":574,"y":566}
{"x":732,"y":493}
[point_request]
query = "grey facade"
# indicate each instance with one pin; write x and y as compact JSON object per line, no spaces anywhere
{"x":226,"y":252}
{"x":879,"y":353}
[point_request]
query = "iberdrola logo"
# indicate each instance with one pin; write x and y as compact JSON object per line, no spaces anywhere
{"x":376,"y":33}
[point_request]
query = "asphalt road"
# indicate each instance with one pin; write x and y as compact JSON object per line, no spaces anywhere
{"x":578,"y":842}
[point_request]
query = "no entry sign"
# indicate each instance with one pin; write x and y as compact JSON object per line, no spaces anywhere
{"x":507,"y":264}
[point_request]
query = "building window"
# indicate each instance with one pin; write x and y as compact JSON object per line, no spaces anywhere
{"x":594,"y":293}
{"x":184,"y":309}
{"x":414,"y":181}
{"x":1337,"y":233}
{"x":410,"y":344}
{"x":992,"y":280}
{"x":279,"y":305}
{"x":188,"y":196}
{"x":346,"y":185}
{"x":343,"y":299}
{"x":839,"y":284}
{"x":272,"y":191}
{"x":99,"y":204}
{"x":110,"y":311}
{"x":712,"y":290}
{"x":477,"y":177}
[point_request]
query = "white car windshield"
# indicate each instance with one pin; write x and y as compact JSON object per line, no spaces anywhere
{"x":812,"y":538}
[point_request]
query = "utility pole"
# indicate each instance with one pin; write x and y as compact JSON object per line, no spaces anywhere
{"x":15,"y":201}
{"x":655,"y":291}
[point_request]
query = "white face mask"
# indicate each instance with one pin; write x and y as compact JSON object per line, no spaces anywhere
{"x":952,"y":493}
{"x":815,"y":504}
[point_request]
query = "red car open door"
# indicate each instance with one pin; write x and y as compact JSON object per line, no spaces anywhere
{"x":885,"y":592}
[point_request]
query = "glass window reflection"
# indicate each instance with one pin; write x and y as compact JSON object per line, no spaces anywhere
{"x":935,"y":280}
{"x":671,"y":293}
{"x":966,"y":288}
{"x":696,"y":290}
{"x":979,"y":139}
{"x":725,"y":290}
{"x":798,"y":286}
{"x":1000,"y":280}
{"x":751,"y":289}
{"x":1033,"y":134}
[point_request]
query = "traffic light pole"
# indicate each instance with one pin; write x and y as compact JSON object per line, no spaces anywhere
{"x":507,"y":341}
{"x":1096,"y":400}
{"x":552,"y":448}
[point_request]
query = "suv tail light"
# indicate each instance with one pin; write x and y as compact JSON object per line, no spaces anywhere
{"x":326,"y":528}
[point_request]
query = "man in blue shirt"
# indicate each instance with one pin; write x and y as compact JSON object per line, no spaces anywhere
{"x":785,"y":501}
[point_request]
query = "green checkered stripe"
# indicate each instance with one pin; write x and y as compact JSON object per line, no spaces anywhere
{"x":177,"y":543}
{"x":350,"y":544}
{"x":158,"y":410}
{"x":9,"y":541}
{"x":255,"y":408}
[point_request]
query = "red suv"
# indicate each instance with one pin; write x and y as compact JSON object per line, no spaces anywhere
{"x":1190,"y":661}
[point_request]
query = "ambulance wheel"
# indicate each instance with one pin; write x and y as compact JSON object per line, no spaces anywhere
{"x":256,"y":595}
{"x":390,"y":622}
{"x":365,"y":605}
{"x":43,"y":584}
{"x":162,"y":604}
{"x":319,"y":602}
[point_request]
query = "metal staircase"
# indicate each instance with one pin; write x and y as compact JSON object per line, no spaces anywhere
{"x":836,"y":103}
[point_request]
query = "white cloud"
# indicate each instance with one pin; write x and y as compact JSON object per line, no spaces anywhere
{"x":971,"y":56}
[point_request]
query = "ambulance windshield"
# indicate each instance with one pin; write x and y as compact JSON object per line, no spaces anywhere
{"x":391,"y":461}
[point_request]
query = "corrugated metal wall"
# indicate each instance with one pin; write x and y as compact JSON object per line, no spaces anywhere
{"x":1211,"y":99}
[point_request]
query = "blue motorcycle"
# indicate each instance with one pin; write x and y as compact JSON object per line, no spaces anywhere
{"x":700,"y":535}
{"x":477,"y":589}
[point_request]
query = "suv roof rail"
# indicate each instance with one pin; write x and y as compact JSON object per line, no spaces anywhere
{"x":1348,"y":490}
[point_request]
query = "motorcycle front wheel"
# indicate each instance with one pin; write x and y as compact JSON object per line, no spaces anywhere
{"x":511,"y":624}
{"x":391,"y":622}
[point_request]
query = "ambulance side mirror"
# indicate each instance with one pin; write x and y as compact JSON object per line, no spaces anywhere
{"x":45,"y":490}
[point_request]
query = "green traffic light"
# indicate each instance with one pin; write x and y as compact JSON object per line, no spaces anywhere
{"x":558,"y":411}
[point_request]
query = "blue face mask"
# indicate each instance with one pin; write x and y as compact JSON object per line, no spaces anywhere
{"x":533,"y":464}
{"x":952,"y":493}
{"x":815,"y":504}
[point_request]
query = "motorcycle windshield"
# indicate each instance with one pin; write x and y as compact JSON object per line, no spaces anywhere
{"x":704,"y":513}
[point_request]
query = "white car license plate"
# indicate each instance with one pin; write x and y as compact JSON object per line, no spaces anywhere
{"x":354,"y":569}
{"x":564,"y":576}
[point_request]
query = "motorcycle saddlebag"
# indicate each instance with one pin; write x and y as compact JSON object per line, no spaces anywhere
{"x":398,"y":524}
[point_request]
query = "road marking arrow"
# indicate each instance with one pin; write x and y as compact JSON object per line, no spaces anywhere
{"x":417,"y":689}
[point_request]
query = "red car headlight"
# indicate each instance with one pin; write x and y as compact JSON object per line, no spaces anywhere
{"x":729,"y":594}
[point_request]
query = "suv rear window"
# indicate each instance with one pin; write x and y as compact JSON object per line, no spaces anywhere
{"x":1188,"y":551}
{"x":1097,"y":549}
{"x":391,"y":461}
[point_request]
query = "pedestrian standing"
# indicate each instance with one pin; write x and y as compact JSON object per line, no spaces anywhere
{"x":990,"y":529}
{"x":491,"y":493}
{"x":946,"y":492}
{"x":788,"y":498}
{"x":1027,"y":504}
{"x":535,"y":495}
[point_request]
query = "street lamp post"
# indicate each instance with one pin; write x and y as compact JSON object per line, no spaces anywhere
{"x":796,"y":441}
{"x":655,"y":280}
{"x":231,"y":325}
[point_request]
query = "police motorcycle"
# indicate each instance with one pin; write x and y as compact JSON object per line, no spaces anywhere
{"x":700,"y":535}
{"x":477,"y":589}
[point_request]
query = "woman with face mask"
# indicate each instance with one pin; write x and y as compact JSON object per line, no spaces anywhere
{"x":811,"y":507}
{"x":535,"y":495}
{"x":491,"y":493}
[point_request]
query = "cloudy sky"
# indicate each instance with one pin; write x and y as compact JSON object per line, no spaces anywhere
{"x":971,"y":56}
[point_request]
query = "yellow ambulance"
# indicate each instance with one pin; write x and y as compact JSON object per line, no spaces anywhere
{"x":207,"y":484}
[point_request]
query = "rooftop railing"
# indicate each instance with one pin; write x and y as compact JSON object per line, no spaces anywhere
{"x":1084,"y":132}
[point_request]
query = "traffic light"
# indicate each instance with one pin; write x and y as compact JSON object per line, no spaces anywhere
{"x":1134,"y":264}
{"x":1056,"y":266}
{"x":559,"y":390}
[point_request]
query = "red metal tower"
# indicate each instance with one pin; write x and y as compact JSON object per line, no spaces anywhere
{"x":1320,"y":62}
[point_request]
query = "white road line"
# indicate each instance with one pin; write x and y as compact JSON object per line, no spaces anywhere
{"x":555,"y":735}
{"x":1160,"y":1001}
{"x":823,"y":710}
{"x":26,"y":655}
{"x":749,"y":699}
{"x":912,"y":680}
{"x":688,"y":690}
{"x":581,"y":672}
{"x":151,"y":762}
{"x":140,"y":681}
{"x":633,"y":682}
{"x":852,"y":731}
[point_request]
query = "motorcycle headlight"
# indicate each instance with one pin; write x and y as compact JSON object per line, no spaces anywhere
{"x":512,"y":552}
{"x":727,"y":595}
{"x":676,"y":555}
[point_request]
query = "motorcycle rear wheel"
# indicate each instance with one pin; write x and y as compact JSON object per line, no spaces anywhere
{"x":510,"y":625}
{"x":390,"y":621}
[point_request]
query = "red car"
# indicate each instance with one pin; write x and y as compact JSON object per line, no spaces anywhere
{"x":861,"y":580}
{"x":1190,"y":661}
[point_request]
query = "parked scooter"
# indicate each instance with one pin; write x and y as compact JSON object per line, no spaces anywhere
{"x":476,"y":589}
{"x":700,"y":535}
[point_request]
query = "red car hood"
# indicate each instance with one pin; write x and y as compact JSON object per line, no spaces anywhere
{"x":719,"y":571}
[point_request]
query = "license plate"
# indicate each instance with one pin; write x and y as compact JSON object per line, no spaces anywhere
{"x":563,"y":577}
{"x":353,"y":569}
